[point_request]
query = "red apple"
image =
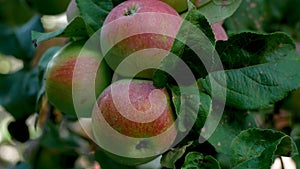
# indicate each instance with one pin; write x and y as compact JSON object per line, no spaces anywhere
{"x":137,"y":35}
{"x":133,"y":121}
{"x":62,"y":80}
{"x":219,"y":31}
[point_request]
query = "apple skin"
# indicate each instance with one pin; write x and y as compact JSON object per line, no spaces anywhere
{"x":60,"y":80}
{"x":133,"y":121}
{"x":49,"y":7}
{"x":72,"y":10}
{"x":219,"y":31}
{"x":136,"y":25}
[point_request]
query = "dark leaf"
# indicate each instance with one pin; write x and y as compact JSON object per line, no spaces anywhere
{"x":16,"y":41}
{"x":169,"y":158}
{"x":196,"y":160}
{"x":94,"y":12}
{"x":255,"y":148}
{"x":258,"y":86}
{"x":76,"y":29}
{"x":248,"y":49}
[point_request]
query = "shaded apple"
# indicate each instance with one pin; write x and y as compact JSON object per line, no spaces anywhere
{"x":61,"y":82}
{"x":138,"y":34}
{"x":133,"y":121}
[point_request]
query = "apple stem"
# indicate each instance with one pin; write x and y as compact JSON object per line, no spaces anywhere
{"x":131,"y":10}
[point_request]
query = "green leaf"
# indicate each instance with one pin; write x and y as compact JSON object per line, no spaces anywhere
{"x":107,"y":163}
{"x":18,"y":92}
{"x":218,"y":10}
{"x":297,"y":161}
{"x":76,"y":28}
{"x":266,"y":16}
{"x":94,"y":12}
{"x":196,"y":160}
{"x":169,"y":159}
{"x":53,"y":139}
{"x":194,"y":43}
{"x":16,"y":41}
{"x":191,"y":106}
{"x":258,"y":86}
{"x":231,"y":124}
{"x":255,"y":148}
{"x":247,"y":49}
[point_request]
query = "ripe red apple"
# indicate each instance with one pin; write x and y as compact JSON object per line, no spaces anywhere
{"x":62,"y":82}
{"x":141,"y":33}
{"x":133,"y":121}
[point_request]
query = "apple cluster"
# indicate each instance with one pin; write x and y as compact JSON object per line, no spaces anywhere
{"x":134,"y":39}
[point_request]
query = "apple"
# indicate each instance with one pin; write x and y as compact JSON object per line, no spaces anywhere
{"x":133,"y":121}
{"x":219,"y":31}
{"x":49,"y":7}
{"x":72,"y":10}
{"x":61,"y":82}
{"x":137,"y":35}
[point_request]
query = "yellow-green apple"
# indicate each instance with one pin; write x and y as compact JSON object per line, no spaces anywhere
{"x":63,"y":79}
{"x":137,"y":35}
{"x":49,"y":7}
{"x":133,"y":121}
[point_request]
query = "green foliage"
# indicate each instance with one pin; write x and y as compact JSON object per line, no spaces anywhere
{"x":258,"y":152}
{"x":218,"y":10}
{"x":17,"y":41}
{"x":266,"y":16}
{"x":197,"y":160}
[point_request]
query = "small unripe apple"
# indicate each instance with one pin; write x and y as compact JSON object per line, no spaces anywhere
{"x":49,"y":7}
{"x":133,"y":121}
{"x":61,"y":81}
{"x":138,"y":34}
